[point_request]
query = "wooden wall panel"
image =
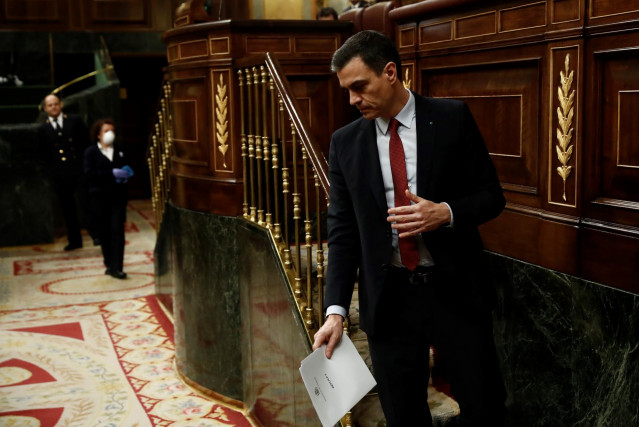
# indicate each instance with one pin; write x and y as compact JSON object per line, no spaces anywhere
{"x":33,"y":10}
{"x":611,"y":256}
{"x":314,"y":93}
{"x":477,"y":25}
{"x":555,"y":92}
{"x":618,"y":145}
{"x":77,"y":15}
{"x":605,"y":8}
{"x":566,"y":11}
{"x":117,"y":12}
{"x":204,"y":61}
{"x":190,"y":106}
{"x":504,"y":98}
{"x":522,"y":17}
{"x":611,"y":193}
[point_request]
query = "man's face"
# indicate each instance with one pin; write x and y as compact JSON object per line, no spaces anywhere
{"x":370,"y":93}
{"x":52,"y":106}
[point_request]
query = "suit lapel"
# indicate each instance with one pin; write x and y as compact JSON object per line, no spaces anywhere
{"x":426,"y":129}
{"x":372,"y":168}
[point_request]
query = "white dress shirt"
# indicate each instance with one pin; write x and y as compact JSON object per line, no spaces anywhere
{"x":57,"y":122}
{"x":108,"y":151}
{"x":407,"y":132}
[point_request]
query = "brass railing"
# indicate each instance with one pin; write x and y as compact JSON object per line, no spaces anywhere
{"x":285,"y":180}
{"x":159,"y":155}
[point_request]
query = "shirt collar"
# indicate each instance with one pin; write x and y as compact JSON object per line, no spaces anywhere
{"x":404,"y":117}
{"x":57,"y":120}
{"x":107,"y":149}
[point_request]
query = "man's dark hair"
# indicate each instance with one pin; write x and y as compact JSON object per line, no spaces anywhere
{"x":97,"y":127}
{"x":327,"y":11}
{"x":374,"y":48}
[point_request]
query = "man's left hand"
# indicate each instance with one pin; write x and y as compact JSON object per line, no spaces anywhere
{"x":417,"y":218}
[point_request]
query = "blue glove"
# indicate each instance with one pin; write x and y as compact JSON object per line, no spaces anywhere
{"x":128,"y":169}
{"x":120,"y":174}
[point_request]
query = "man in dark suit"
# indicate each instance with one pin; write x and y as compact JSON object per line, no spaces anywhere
{"x":63,"y":139}
{"x":410,"y":181}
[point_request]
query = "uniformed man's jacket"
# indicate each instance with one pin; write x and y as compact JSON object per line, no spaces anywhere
{"x":62,"y":149}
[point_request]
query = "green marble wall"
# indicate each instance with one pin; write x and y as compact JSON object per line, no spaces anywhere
{"x":26,"y":194}
{"x":237,"y":331}
{"x":569,"y":349}
{"x":274,"y":339}
{"x":206,"y":299}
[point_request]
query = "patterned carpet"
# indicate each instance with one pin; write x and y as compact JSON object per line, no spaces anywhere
{"x":79,"y":348}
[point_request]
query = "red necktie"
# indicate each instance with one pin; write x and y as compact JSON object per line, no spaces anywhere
{"x":407,"y":246}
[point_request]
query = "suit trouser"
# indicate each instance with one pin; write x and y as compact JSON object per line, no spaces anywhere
{"x":110,"y":213}
{"x":66,"y":188}
{"x":414,"y":318}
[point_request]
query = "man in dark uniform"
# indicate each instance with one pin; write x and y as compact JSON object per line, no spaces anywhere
{"x":63,"y":139}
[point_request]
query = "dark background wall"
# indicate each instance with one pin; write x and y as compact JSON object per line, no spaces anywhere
{"x":49,"y":43}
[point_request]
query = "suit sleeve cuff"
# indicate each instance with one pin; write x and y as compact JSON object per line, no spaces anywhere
{"x":452,"y":218}
{"x":336,"y":309}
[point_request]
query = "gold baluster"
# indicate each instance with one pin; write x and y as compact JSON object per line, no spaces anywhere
{"x":308,"y":314}
{"x":161,"y":119}
{"x":152,"y":177}
{"x":245,"y":206}
{"x":159,"y":157}
{"x":258,"y":145}
{"x":296,"y":213}
{"x":167,"y":162}
{"x":320,"y":251}
{"x":286,"y":251}
{"x":251,"y":145}
{"x":266,"y":151}
{"x":277,"y":232}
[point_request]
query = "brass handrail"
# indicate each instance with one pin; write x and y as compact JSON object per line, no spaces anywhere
{"x":316,"y":156}
{"x":285,"y":179}
{"x":159,"y":154}
{"x":84,"y":77}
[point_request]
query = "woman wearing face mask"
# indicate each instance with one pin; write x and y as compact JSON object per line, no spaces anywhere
{"x":107,"y":171}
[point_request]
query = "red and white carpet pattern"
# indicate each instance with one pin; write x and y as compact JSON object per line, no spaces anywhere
{"x":106,"y":362}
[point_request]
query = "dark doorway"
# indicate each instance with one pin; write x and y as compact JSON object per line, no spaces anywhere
{"x":140,"y":83}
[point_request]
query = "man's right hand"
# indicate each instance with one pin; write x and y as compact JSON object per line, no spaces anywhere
{"x":330,"y":333}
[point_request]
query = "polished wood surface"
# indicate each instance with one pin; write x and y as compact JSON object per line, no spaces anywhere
{"x":203,"y":62}
{"x":554,"y":88}
{"x":73,"y":15}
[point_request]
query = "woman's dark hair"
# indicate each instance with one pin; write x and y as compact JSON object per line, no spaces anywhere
{"x":374,"y":48}
{"x":97,"y":126}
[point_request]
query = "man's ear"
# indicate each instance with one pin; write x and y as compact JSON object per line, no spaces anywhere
{"x":390,"y":71}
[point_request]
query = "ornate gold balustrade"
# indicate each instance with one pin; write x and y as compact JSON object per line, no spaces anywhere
{"x":159,"y":154}
{"x":285,"y":181}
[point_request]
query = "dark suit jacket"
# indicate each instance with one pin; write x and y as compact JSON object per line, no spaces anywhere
{"x":62,"y":150}
{"x":453,"y":166}
{"x":99,"y":171}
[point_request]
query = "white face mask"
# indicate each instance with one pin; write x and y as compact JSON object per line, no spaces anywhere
{"x":108,"y":137}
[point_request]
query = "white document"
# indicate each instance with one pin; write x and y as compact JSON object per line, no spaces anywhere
{"x":335,"y":385}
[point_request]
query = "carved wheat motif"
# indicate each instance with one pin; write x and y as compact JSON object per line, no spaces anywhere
{"x":565,"y":113}
{"x":221,"y":114}
{"x":407,"y":81}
